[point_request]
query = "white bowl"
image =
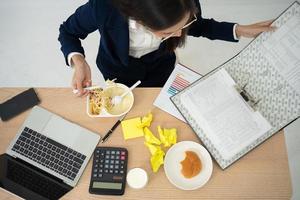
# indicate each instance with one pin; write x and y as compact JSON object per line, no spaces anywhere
{"x":106,"y":113}
{"x":172,"y":165}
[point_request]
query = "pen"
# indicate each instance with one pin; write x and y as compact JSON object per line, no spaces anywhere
{"x":112,"y":129}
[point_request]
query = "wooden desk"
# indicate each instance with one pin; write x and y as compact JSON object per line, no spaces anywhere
{"x":261,"y":174}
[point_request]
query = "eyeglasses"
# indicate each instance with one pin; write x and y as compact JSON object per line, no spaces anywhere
{"x":185,"y":26}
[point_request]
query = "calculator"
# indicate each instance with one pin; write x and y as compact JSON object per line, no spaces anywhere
{"x":109,"y":171}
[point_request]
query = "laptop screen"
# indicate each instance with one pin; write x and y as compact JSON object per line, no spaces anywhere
{"x":28,"y":181}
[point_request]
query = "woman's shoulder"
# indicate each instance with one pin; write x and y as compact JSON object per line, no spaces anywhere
{"x":101,"y":5}
{"x":102,"y":9}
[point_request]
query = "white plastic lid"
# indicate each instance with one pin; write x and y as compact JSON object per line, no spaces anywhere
{"x":137,"y":178}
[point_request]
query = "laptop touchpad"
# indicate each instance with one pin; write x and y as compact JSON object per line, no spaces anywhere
{"x":63,"y":132}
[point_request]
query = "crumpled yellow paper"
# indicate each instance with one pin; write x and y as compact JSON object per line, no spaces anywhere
{"x":157,"y":160}
{"x":149,"y":137}
{"x":146,"y":121}
{"x":167,"y":136}
{"x":152,"y":148}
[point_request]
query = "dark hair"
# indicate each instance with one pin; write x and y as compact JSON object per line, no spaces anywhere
{"x":158,"y":15}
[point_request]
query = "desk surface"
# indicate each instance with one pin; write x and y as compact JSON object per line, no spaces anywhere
{"x":261,"y":174}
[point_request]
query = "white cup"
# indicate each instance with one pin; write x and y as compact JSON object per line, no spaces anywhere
{"x":137,"y":178}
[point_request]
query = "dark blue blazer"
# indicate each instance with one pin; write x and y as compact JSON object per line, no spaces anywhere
{"x":113,"y":56}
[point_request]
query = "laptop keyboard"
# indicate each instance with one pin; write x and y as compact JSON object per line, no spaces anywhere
{"x":34,"y":182}
{"x":49,"y":153}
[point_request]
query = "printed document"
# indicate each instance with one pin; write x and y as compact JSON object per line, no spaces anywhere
{"x":282,"y":50}
{"x":225,"y":118}
{"x":179,"y":79}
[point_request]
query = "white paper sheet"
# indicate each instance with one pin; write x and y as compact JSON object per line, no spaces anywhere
{"x":226,"y":119}
{"x":178,"y":80}
{"x":282,"y":50}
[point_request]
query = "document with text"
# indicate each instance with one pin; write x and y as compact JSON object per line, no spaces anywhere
{"x":282,"y":50}
{"x":180,"y":78}
{"x":226,"y":119}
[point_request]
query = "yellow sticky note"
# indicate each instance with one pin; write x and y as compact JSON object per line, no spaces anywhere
{"x":157,"y":160}
{"x":131,"y":128}
{"x":149,"y":137}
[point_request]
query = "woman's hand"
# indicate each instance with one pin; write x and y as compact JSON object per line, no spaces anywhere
{"x":82,"y":75}
{"x":252,"y":30}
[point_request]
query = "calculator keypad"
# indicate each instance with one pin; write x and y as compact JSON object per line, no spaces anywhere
{"x":109,"y":164}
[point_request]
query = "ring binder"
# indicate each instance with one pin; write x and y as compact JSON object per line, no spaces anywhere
{"x":249,"y":99}
{"x":274,"y":94}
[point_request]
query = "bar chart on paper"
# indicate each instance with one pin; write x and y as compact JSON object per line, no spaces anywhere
{"x":178,"y":84}
{"x":180,"y":78}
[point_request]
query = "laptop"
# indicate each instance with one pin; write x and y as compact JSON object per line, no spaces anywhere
{"x":47,"y":156}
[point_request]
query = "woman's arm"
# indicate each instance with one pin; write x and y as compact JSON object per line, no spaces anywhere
{"x":77,"y":27}
{"x":210,"y":28}
{"x":213,"y":30}
{"x":253,"y":30}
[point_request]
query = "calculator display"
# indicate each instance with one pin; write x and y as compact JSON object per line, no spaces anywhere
{"x":107,"y":185}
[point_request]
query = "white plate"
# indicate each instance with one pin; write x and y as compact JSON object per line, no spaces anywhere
{"x":173,"y":167}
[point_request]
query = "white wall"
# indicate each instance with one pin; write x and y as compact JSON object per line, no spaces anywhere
{"x":29,"y":49}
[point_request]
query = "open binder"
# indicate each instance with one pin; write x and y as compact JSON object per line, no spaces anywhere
{"x":266,"y":74}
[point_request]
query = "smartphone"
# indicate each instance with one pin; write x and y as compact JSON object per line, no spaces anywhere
{"x":18,"y":104}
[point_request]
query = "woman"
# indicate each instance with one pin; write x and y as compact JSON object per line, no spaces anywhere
{"x":138,"y":38}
